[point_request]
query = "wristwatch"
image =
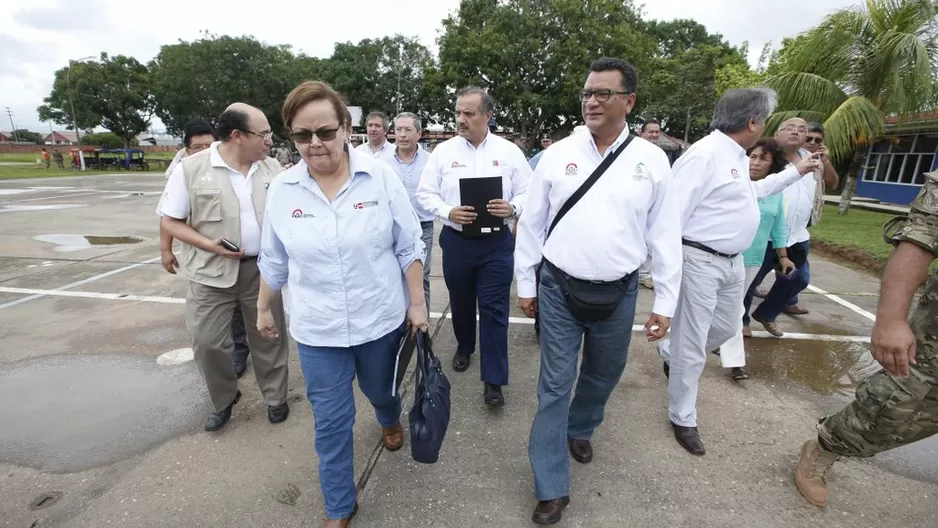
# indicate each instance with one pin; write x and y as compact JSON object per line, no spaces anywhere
{"x":514,"y":211}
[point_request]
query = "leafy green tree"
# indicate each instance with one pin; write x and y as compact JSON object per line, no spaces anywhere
{"x":22,"y":134}
{"x":855,"y":67}
{"x":107,"y":140}
{"x":199,"y":79}
{"x":113,"y":92}
{"x":532,"y":56}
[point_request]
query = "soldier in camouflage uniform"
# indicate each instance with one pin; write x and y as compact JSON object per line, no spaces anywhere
{"x":899,"y":405}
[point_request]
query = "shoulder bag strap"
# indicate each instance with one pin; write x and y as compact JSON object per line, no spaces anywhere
{"x":575,"y":197}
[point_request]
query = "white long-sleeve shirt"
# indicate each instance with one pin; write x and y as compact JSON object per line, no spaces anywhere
{"x":717,"y":200}
{"x":456,"y":158}
{"x":608,"y":233}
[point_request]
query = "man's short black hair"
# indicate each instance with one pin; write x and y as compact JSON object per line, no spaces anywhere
{"x":650,"y":122}
{"x":629,"y":77}
{"x":816,"y":127}
{"x":229,"y":121}
{"x":196,"y":127}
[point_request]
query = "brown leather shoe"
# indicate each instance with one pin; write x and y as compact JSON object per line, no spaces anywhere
{"x":393,"y":437}
{"x":689,"y":439}
{"x":340,"y":523}
{"x":770,"y":326}
{"x":796,"y":310}
{"x":581,"y":450}
{"x":549,"y":512}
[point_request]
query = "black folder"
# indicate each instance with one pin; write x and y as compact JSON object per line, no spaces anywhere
{"x":478,"y":192}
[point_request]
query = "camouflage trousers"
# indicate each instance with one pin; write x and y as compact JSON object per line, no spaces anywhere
{"x":888,"y":411}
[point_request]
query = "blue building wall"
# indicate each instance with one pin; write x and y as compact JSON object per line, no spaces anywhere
{"x":894,"y":168}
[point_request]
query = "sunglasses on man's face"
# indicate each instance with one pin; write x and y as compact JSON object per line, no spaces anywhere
{"x":306,"y":136}
{"x":814,"y":139}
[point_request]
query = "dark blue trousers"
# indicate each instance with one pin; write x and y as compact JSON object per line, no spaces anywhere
{"x":785,"y":291}
{"x":480,"y":270}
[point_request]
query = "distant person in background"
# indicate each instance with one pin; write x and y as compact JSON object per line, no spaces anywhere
{"x":197,"y":136}
{"x":57,"y":158}
{"x":44,"y":154}
{"x":650,"y":132}
{"x":376,"y":125}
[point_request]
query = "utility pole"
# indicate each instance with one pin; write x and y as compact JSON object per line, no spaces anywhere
{"x":13,"y":125}
{"x":400,"y":66}
{"x":68,"y":87}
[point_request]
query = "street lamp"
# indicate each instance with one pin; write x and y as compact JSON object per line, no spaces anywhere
{"x":68,"y":88}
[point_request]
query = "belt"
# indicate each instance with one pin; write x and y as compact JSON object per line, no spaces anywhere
{"x":462,"y":234}
{"x":247,"y":258}
{"x":698,"y":245}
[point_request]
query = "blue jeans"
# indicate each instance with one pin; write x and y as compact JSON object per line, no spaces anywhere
{"x":605,"y":350}
{"x":329,"y":372}
{"x":784,"y":292}
{"x":768,"y":264}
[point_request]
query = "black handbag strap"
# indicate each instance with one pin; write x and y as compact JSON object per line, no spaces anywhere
{"x":585,"y":186}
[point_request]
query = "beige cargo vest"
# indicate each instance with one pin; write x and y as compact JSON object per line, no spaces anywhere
{"x":214,"y":211}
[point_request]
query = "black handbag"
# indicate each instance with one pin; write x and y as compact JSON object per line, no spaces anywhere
{"x":429,"y":417}
{"x":587,"y":300}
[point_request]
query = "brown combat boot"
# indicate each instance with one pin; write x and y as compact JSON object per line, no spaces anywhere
{"x":811,"y":473}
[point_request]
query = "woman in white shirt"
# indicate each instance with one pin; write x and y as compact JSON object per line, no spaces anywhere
{"x":341,"y":231}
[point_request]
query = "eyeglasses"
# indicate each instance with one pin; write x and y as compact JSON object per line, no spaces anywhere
{"x":266,"y":135}
{"x":814,"y":139}
{"x":601,"y":95}
{"x":306,"y":136}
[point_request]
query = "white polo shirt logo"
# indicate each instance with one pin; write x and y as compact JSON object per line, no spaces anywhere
{"x":298,"y":213}
{"x":640,"y":172}
{"x":365,"y":205}
{"x":571,"y":169}
{"x":735,"y":174}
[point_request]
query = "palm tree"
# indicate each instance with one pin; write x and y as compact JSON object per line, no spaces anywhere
{"x":859,"y":65}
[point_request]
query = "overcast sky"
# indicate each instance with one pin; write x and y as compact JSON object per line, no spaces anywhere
{"x":37,"y":38}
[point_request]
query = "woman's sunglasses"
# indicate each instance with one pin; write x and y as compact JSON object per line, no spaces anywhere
{"x":306,"y":136}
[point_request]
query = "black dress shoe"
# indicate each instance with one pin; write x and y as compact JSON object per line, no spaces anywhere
{"x":278,"y":413}
{"x":460,"y":362}
{"x":493,"y":395}
{"x":549,"y":512}
{"x":239,"y":369}
{"x":217,"y":420}
{"x":667,"y":369}
{"x":581,"y":450}
{"x":689,"y":439}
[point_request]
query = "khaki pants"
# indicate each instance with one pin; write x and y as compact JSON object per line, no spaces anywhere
{"x":208,"y":316}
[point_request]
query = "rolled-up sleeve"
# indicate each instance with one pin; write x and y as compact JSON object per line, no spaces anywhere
{"x":408,"y":245}
{"x":520,"y":180}
{"x":272,"y":261}
{"x":429,"y":194}
{"x":663,"y":237}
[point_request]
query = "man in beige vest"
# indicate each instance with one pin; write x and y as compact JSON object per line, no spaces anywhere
{"x":216,"y":197}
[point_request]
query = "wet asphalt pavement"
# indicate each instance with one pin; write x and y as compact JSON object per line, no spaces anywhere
{"x":71,"y":413}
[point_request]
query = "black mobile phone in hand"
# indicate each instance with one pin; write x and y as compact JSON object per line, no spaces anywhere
{"x":229,"y":245}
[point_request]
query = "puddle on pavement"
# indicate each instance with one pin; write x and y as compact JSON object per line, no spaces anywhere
{"x":72,"y":413}
{"x":68,"y":243}
{"x":825,"y":367}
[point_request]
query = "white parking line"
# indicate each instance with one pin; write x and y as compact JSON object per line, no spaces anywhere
{"x":36,"y":293}
{"x":847,"y":304}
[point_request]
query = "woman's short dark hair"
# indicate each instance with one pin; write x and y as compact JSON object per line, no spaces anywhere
{"x":770,"y":146}
{"x":196,"y":127}
{"x":311,"y":91}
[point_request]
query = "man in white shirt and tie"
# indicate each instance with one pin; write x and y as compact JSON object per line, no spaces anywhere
{"x":376,"y":125}
{"x":477,"y":267}
{"x":600,"y":243}
{"x":718,"y":204}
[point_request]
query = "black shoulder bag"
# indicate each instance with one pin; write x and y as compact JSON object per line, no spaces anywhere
{"x":588,"y":300}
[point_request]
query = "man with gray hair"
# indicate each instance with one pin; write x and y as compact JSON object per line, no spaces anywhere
{"x":376,"y":125}
{"x":408,"y":160}
{"x":719,"y":214}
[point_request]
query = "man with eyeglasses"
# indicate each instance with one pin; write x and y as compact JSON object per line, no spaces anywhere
{"x":408,"y":160}
{"x":477,"y":266}
{"x":214,"y":203}
{"x":576,"y":254}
